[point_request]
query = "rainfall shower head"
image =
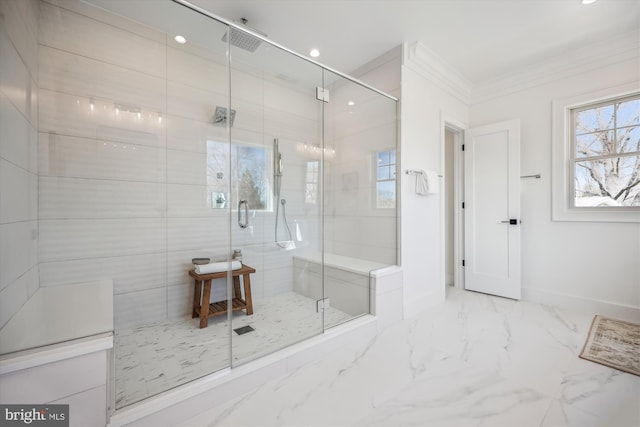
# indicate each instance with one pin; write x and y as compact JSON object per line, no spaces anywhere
{"x":242,"y":39}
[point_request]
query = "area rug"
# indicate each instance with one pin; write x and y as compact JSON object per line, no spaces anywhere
{"x":613,"y":343}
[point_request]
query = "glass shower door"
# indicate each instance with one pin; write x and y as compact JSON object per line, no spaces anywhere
{"x":360,"y":137}
{"x":275,"y":157}
{"x":125,"y":118}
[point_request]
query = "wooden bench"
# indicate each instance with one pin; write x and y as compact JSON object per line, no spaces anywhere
{"x":201,"y":306}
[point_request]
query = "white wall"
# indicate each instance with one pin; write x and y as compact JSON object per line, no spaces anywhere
{"x":431,"y":95}
{"x":591,"y":266}
{"x":588,"y":265}
{"x":18,"y":154}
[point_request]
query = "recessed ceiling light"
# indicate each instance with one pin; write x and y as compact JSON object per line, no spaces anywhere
{"x":314,"y":53}
{"x":351,"y":103}
{"x":588,"y":1}
{"x":180,"y":39}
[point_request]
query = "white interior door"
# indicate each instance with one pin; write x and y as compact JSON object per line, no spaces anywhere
{"x":492,"y":209}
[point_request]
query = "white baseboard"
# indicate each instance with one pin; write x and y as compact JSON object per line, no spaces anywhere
{"x":587,"y":305}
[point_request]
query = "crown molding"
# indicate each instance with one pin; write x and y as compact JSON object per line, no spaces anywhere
{"x":622,"y":48}
{"x":422,"y":60}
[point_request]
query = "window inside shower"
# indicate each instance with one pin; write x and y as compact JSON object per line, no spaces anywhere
{"x":312,"y":182}
{"x":385,"y":168}
{"x":241,"y":169}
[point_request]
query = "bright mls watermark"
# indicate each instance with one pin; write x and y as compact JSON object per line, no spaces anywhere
{"x":34,"y":415}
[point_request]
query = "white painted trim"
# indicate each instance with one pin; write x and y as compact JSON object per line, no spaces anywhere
{"x":54,"y":353}
{"x":560,"y":155}
{"x":585,"y":305}
{"x":458,"y":171}
{"x":622,"y":48}
{"x":458,"y":194}
{"x":428,"y":64}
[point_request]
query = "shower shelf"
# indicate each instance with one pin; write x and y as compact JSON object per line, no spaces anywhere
{"x":202,"y":286}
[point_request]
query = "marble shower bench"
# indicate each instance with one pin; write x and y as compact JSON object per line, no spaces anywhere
{"x":354,"y":285}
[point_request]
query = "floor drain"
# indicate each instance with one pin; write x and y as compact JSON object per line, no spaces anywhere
{"x":244,"y":330}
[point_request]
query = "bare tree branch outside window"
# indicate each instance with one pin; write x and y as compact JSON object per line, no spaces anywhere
{"x":237,"y":172}
{"x":606,"y":156}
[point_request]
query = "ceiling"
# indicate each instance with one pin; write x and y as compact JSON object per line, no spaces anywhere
{"x":481,"y":39}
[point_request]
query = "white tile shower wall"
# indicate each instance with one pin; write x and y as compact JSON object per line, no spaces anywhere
{"x":102,"y":157}
{"x":76,"y":33}
{"x":97,"y":198}
{"x":18,"y":158}
{"x":129,"y":274}
{"x":69,"y":115}
{"x":124,"y":197}
{"x":95,"y":78}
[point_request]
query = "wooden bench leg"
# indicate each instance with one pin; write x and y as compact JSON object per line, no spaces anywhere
{"x":247,"y":293}
{"x":204,"y":306}
{"x":236,"y":287}
{"x":197,"y":290}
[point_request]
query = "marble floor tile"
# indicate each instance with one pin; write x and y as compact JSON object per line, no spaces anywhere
{"x":475,"y":360}
{"x":154,"y":358}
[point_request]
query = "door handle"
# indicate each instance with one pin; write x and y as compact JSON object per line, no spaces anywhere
{"x":244,"y":224}
{"x":511,"y":222}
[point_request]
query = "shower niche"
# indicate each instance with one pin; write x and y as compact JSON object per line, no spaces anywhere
{"x":132,"y":195}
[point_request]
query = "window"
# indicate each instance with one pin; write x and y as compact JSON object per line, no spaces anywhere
{"x":311,"y":183}
{"x":596,"y":156}
{"x":605,"y":162}
{"x":240,"y":168}
{"x":386,"y":179}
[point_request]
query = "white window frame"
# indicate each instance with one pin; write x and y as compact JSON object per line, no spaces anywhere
{"x":562,"y":195}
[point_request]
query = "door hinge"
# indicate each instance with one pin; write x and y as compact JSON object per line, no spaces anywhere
{"x":462,"y":147}
{"x":463,"y":263}
{"x":322,"y":94}
{"x":462,"y":205}
{"x":322,"y":304}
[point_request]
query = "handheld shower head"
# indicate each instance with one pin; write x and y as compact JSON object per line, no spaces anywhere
{"x":277,"y":159}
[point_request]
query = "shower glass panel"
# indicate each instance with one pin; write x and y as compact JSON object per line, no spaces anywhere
{"x":276,"y":134}
{"x":127,"y":119}
{"x":360,"y":215}
{"x":151,"y":153}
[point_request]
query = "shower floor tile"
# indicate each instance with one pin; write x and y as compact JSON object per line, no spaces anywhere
{"x":156,"y":357}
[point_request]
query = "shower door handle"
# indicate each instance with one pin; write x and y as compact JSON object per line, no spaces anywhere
{"x":244,"y":224}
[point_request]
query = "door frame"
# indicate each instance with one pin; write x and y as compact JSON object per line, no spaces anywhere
{"x":458,"y":128}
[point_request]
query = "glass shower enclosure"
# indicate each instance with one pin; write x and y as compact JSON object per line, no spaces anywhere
{"x":227,"y":148}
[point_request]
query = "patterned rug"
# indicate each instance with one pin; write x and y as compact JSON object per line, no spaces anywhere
{"x":614,"y":343}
